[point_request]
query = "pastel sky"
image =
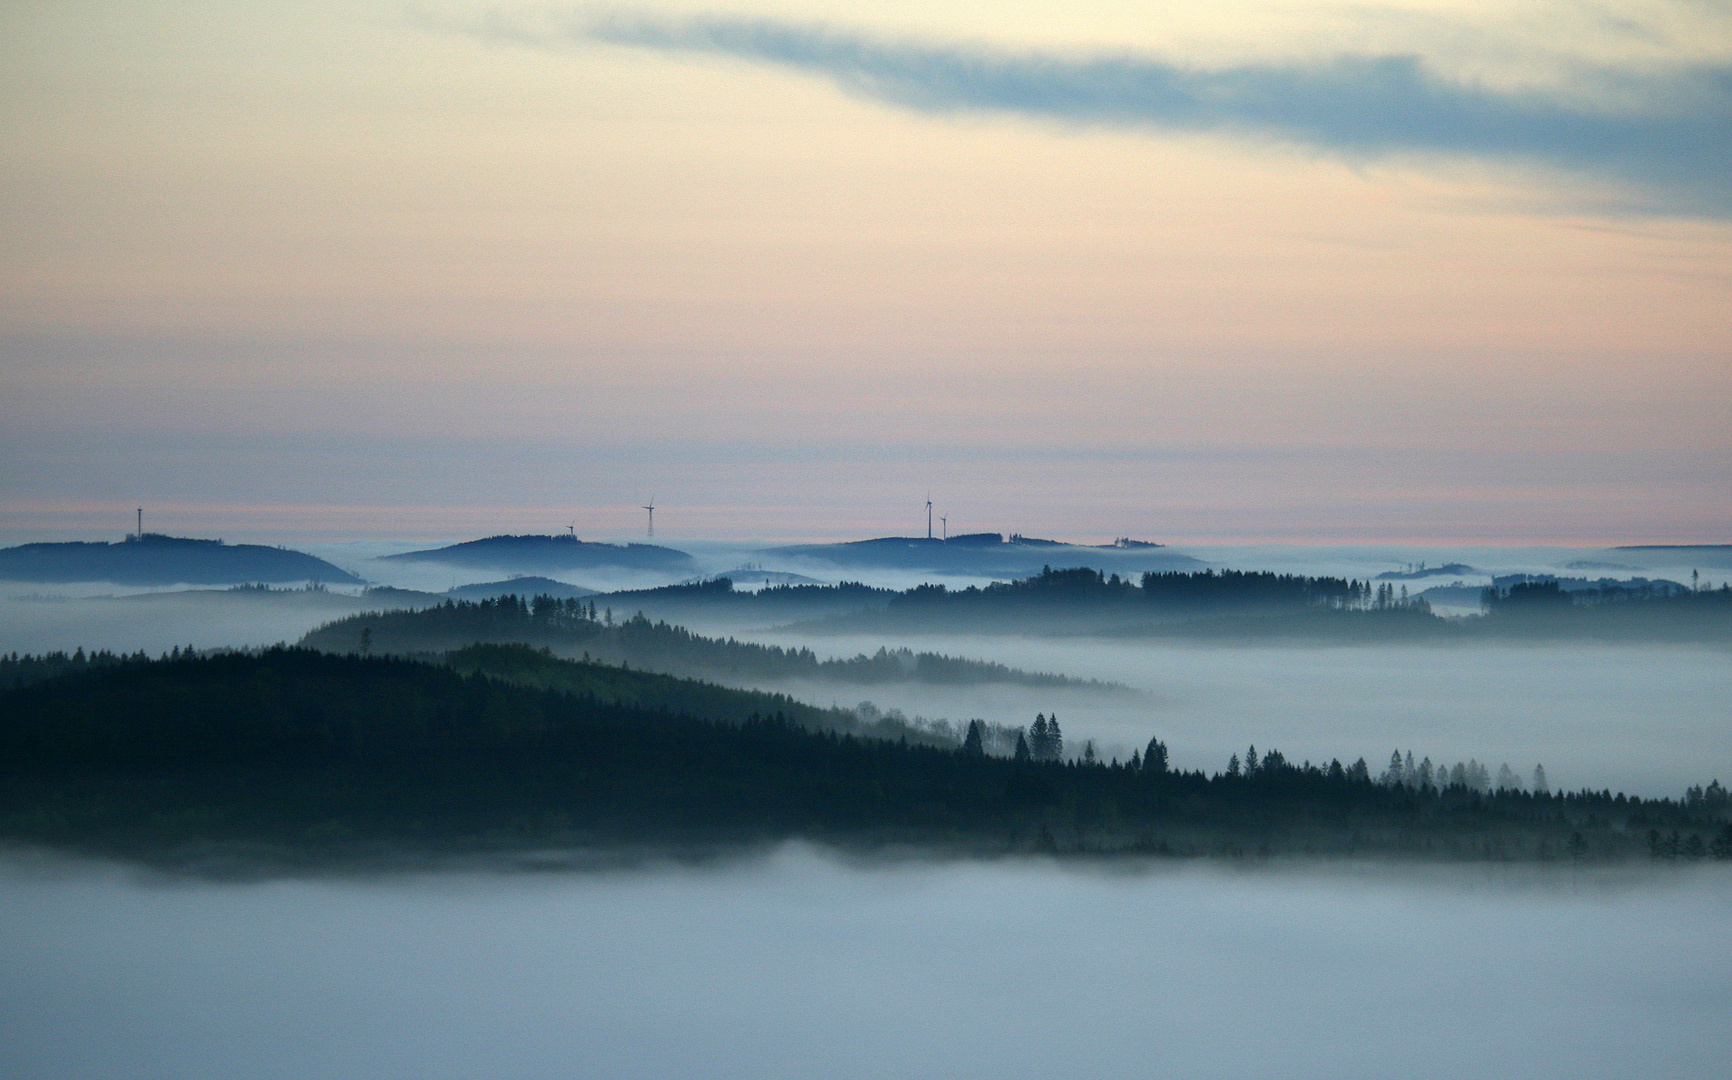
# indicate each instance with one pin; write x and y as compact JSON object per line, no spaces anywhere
{"x":1245,"y":271}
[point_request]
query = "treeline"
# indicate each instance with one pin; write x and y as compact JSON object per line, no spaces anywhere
{"x":321,"y":756}
{"x":1651,"y":611}
{"x":1184,"y":589}
{"x":523,"y":665}
{"x":1257,"y":605}
{"x":1214,"y":605}
{"x":21,"y":670}
{"x":579,"y":627}
{"x":1204,"y":603}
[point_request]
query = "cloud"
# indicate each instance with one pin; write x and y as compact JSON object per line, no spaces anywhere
{"x":1666,"y":142}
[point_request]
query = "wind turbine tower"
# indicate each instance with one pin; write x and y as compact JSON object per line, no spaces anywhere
{"x":929,"y":515}
{"x":944,"y":523}
{"x":652,"y":517}
{"x":140,"y":533}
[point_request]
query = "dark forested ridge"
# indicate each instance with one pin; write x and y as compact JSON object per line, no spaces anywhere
{"x":551,"y":554}
{"x":578,"y":627}
{"x":519,"y":586}
{"x":717,"y":600}
{"x":984,"y":554}
{"x":323,"y":757}
{"x":154,"y":559}
{"x":1258,"y":605}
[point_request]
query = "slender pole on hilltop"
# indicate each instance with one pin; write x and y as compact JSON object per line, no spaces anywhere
{"x":944,"y":522}
{"x":140,"y":533}
{"x":928,"y":515}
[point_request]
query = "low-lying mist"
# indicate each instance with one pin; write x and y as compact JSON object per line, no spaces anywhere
{"x":800,"y":966}
{"x":34,"y":621}
{"x":1646,"y":720}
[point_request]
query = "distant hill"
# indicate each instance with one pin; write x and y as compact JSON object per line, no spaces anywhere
{"x":716,"y":602}
{"x":520,"y":586}
{"x":571,"y":628}
{"x":748,"y":575}
{"x":1261,"y":606}
{"x":987,"y":554}
{"x":1453,"y":569}
{"x":155,"y":559}
{"x":551,"y":555}
{"x":1718,"y":556}
{"x":291,"y":759}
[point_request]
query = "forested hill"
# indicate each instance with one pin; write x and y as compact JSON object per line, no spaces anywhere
{"x":296,"y":757}
{"x":522,"y":665}
{"x":716,"y":601}
{"x":1254,"y":605}
{"x":983,"y":554}
{"x":551,"y":555}
{"x":154,"y":559}
{"x":576,"y":628}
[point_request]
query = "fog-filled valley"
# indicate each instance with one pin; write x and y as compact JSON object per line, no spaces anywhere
{"x":802,"y":539}
{"x":412,"y":923}
{"x":1643,"y":716}
{"x":793,"y":964}
{"x":1635,"y":718}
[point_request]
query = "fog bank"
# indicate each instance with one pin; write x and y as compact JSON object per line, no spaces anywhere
{"x":800,"y":967}
{"x":1648,"y":720}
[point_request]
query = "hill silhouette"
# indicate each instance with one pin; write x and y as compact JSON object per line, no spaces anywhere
{"x":519,"y":586}
{"x":551,"y":554}
{"x":986,"y":554}
{"x":577,"y":628}
{"x":299,"y":758}
{"x":155,"y":559}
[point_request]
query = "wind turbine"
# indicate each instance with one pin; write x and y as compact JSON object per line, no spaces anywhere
{"x":571,"y":530}
{"x":652,"y":517}
{"x":945,"y":522}
{"x":929,"y":515}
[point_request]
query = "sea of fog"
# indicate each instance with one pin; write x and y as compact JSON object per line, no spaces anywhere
{"x":1644,"y":719}
{"x":798,"y":965}
{"x":1359,"y":561}
{"x":1649,"y":720}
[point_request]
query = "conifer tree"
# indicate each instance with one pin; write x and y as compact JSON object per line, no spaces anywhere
{"x":974,"y":744}
{"x":1392,"y":775}
{"x":1155,"y":757}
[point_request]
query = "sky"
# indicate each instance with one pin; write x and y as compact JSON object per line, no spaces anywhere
{"x":1249,"y":272}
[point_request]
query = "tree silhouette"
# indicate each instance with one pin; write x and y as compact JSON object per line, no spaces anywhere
{"x":1155,"y":757}
{"x":973,"y":744}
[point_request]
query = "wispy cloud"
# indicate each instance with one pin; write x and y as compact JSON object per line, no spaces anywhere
{"x":1663,"y":138}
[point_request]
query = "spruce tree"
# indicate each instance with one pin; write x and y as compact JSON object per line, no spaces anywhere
{"x":1155,"y":757}
{"x":974,"y":744}
{"x":1037,"y":738}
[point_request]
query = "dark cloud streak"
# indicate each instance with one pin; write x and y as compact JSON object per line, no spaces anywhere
{"x":1670,"y":154}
